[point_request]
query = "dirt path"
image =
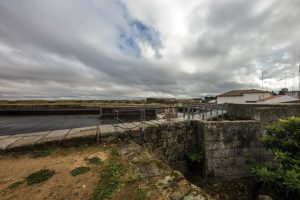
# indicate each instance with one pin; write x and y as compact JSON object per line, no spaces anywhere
{"x":61,"y":186}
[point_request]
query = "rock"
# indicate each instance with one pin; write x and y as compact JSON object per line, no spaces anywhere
{"x":147,"y":170}
{"x":264,"y":197}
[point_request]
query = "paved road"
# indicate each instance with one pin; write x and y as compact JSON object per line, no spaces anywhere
{"x":11,"y":125}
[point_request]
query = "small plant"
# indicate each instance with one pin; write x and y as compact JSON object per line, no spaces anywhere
{"x":142,"y":194}
{"x":15,"y":185}
{"x":40,"y":153}
{"x":39,"y":176}
{"x":110,"y":181}
{"x":134,"y":178}
{"x":95,"y":161}
{"x":115,"y":152}
{"x":195,"y":161}
{"x":79,"y":170}
{"x":195,"y":155}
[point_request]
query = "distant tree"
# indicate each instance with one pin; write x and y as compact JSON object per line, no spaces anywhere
{"x":282,"y":175}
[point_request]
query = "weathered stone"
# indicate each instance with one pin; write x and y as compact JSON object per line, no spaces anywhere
{"x":166,"y":134}
{"x":8,"y":141}
{"x":148,"y":170}
{"x":54,"y":136}
{"x":80,"y":136}
{"x":27,"y":142}
{"x":264,"y":197}
{"x":3,"y":137}
{"x":81,"y":133}
{"x":106,"y":129}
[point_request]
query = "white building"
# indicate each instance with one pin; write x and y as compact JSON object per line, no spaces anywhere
{"x":278,"y":99}
{"x":295,"y":94}
{"x":242,"y":96}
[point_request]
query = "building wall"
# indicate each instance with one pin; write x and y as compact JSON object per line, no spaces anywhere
{"x":242,"y":99}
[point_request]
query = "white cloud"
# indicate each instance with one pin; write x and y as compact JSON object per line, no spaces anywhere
{"x":146,"y":48}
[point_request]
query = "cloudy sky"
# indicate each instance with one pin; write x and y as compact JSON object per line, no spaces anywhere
{"x":142,"y":48}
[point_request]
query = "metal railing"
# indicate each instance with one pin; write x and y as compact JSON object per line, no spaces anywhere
{"x":163,"y":115}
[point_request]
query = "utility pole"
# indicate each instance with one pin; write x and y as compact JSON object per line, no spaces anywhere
{"x":299,"y":71}
{"x":293,"y":83}
{"x":284,"y":79}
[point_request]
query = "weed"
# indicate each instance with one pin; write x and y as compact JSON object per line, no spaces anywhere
{"x":79,"y":170}
{"x":39,"y":176}
{"x":95,"y":161}
{"x":110,"y":181}
{"x":41,"y":153}
{"x":142,"y":194}
{"x":15,"y":185}
{"x":134,"y":178}
{"x":115,"y":152}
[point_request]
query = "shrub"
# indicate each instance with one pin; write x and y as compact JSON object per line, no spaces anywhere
{"x":79,"y":170}
{"x":282,"y":175}
{"x":39,"y":176}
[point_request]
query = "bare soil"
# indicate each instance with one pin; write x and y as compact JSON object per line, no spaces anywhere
{"x":61,"y":186}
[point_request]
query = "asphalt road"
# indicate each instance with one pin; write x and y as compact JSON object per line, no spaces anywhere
{"x":11,"y":125}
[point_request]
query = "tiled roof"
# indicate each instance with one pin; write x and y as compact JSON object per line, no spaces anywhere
{"x":234,"y":93}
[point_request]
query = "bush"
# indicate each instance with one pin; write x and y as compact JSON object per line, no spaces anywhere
{"x":79,"y":170}
{"x":282,"y":175}
{"x":39,"y":176}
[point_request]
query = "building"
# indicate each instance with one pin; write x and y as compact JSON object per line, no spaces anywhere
{"x":242,"y":96}
{"x":278,"y":99}
{"x":295,"y":94}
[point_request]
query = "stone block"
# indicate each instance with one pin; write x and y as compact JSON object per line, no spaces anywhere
{"x":106,"y":129}
{"x":3,"y":137}
{"x":54,"y":137}
{"x":81,"y":135}
{"x":26,"y":142}
{"x":8,"y":141}
{"x":165,"y":134}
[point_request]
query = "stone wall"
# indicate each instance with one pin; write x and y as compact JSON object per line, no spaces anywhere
{"x":226,"y":146}
{"x":259,"y":111}
{"x":170,"y":142}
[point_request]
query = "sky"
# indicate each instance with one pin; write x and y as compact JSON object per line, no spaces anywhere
{"x":143,"y":48}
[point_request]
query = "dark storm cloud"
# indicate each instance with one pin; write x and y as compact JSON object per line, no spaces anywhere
{"x":108,"y":48}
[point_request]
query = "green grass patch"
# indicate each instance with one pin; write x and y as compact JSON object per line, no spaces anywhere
{"x":16,"y":184}
{"x":39,"y":176}
{"x":110,"y":181}
{"x":79,"y":170}
{"x":115,"y":152}
{"x":41,"y":153}
{"x":95,"y":161}
{"x":143,"y":194}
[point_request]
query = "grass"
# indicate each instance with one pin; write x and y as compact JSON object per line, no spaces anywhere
{"x":79,"y":170}
{"x":110,"y":181}
{"x":95,"y":161}
{"x":115,"y":152}
{"x":142,"y":194}
{"x":15,"y":185}
{"x":39,"y":176}
{"x":41,"y":153}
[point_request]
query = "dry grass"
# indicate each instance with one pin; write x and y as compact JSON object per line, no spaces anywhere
{"x":14,"y":170}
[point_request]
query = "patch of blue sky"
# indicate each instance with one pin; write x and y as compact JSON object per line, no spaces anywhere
{"x":128,"y":44}
{"x":147,"y":34}
{"x":138,"y":31}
